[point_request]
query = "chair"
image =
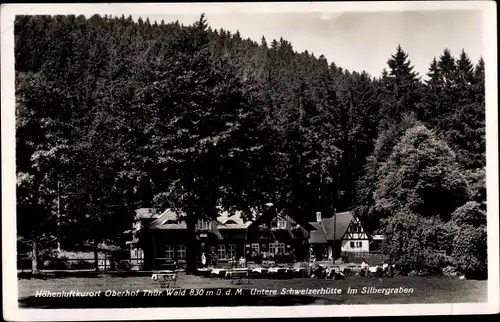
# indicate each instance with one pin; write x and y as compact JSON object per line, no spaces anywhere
{"x":166,"y":280}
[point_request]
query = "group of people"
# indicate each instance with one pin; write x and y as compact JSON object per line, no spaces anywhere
{"x":316,"y":270}
{"x":386,"y":270}
{"x":211,"y":260}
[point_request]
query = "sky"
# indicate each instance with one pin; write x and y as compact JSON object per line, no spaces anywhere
{"x":357,"y":40}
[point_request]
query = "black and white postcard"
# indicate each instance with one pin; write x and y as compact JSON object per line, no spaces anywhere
{"x":239,"y":160}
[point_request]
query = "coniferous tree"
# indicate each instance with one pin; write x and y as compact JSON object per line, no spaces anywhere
{"x":402,"y":86}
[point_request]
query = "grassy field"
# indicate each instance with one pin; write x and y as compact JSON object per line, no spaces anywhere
{"x":425,"y":290}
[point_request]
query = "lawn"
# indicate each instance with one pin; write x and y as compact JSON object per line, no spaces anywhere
{"x":425,"y":290}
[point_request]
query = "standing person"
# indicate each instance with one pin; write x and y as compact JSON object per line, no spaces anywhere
{"x":390,"y":270}
{"x":203,"y":260}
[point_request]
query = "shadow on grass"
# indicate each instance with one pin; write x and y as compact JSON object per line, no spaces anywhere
{"x":79,"y":274}
{"x":144,"y":301}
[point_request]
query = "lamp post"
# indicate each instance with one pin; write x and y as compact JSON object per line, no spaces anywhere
{"x":334,"y":235}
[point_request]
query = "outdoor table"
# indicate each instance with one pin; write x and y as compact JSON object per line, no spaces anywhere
{"x":259,"y":270}
{"x":217,"y":272}
{"x":276,"y":269}
{"x":300,"y":271}
{"x":229,"y":273}
{"x":205,"y":271}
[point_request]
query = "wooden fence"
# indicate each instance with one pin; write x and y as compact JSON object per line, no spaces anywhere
{"x":104,"y":264}
{"x":371,"y":258}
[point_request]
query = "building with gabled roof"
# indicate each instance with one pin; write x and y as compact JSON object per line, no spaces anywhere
{"x":162,"y":237}
{"x":342,"y":232}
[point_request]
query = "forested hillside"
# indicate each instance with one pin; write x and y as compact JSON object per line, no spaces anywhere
{"x":113,"y":115}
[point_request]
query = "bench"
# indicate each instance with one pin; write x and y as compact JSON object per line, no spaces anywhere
{"x":166,"y":280}
{"x":238,"y":275}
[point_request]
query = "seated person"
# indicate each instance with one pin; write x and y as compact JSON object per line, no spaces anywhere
{"x":390,"y":270}
{"x":316,"y":270}
{"x":365,"y":269}
{"x":242,"y":262}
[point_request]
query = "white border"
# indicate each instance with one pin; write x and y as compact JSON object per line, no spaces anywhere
{"x":11,"y":310}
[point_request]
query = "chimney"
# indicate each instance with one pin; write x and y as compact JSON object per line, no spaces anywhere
{"x":318,"y":217}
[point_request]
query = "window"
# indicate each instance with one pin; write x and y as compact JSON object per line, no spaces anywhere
{"x":255,"y":248}
{"x":181,"y":252}
{"x":221,"y":251}
{"x":231,"y":251}
{"x":355,"y":228}
{"x":279,"y":223}
{"x":277,"y":248}
{"x":169,"y":252}
{"x":355,"y":244}
{"x":203,"y":225}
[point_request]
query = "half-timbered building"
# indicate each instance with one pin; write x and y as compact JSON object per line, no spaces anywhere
{"x":341,"y":233}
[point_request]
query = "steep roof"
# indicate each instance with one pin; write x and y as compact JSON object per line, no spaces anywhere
{"x":168,"y":220}
{"x":325,"y":231}
{"x":317,"y":236}
{"x":233,"y":221}
{"x":226,"y":220}
{"x":147,"y":213}
{"x":171,"y":220}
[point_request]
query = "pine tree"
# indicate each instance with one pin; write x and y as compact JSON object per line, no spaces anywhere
{"x":466,"y":125}
{"x":403,"y":87}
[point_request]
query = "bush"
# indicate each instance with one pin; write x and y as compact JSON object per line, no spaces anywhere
{"x":469,"y":243}
{"x":470,"y":251}
{"x":57,"y":263}
{"x":82,"y":264}
{"x":283,"y":258}
{"x":412,"y":242}
{"x":124,"y":266}
{"x":469,"y":214}
{"x":257,"y":258}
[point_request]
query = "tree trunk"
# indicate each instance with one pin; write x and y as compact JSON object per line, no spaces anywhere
{"x":96,"y":257}
{"x":59,"y":249}
{"x":191,"y":246}
{"x":34,"y":258}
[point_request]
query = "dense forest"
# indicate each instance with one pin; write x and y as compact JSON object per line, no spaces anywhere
{"x":114,"y":114}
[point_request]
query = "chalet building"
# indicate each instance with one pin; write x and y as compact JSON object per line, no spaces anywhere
{"x":342,"y":232}
{"x":162,"y":237}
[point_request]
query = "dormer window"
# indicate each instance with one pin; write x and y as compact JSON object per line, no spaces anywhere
{"x":279,"y":223}
{"x":203,"y":225}
{"x":318,"y":216}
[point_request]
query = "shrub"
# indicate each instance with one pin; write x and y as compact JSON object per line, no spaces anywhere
{"x":124,"y":266}
{"x":56,"y":263}
{"x":257,"y":258}
{"x":469,"y":244}
{"x":469,"y":214}
{"x":82,"y":264}
{"x":412,"y":242}
{"x":470,"y":251}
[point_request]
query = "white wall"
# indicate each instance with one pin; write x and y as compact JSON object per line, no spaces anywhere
{"x":346,"y":245}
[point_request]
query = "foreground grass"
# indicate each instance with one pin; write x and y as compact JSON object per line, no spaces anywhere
{"x":425,"y":289}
